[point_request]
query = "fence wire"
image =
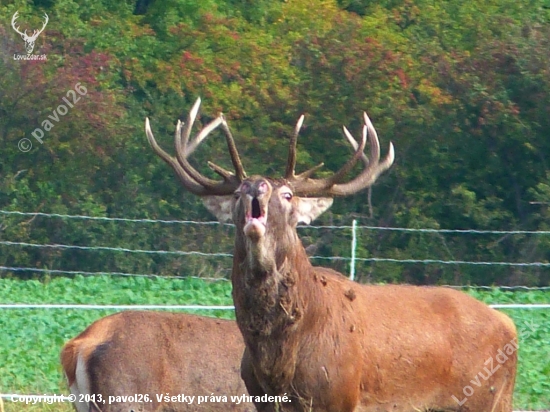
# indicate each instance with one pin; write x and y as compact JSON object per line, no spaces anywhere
{"x":352,"y":260}
{"x":44,"y":397}
{"x":204,"y":307}
{"x":191,"y":222}
{"x":206,"y":254}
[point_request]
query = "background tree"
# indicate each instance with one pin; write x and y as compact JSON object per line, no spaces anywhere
{"x":461,"y":88}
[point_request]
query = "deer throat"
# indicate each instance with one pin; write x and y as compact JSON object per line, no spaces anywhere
{"x":266,"y":301}
{"x":268,"y":315}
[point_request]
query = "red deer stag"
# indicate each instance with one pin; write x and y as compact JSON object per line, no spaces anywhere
{"x":124,"y":362}
{"x":326,"y":342}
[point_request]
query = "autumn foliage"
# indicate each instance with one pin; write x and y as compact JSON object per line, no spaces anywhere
{"x":461,"y":88}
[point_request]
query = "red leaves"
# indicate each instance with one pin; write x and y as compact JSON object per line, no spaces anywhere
{"x":402,"y":77}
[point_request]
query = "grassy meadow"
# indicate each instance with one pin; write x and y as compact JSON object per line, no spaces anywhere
{"x":32,"y":338}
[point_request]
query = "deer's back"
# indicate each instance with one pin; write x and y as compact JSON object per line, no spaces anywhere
{"x":155,"y":353}
{"x":407,"y":345}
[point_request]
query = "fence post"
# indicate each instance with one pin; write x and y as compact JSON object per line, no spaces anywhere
{"x":353,"y":247}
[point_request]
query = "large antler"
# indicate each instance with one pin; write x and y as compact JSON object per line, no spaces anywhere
{"x":333,"y":186}
{"x":191,"y":179}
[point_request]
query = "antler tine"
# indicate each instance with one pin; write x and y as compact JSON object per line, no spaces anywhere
{"x":188,"y":183}
{"x":202,"y":134}
{"x":226,"y":174}
{"x":181,"y":137}
{"x":373,"y":140}
{"x":234,"y":153}
{"x":323,"y":186}
{"x":374,"y":169}
{"x":192,"y":180}
{"x":291,"y":161}
{"x":308,"y":173}
{"x":355,"y":145}
{"x":192,"y":146}
{"x":340,"y":174}
{"x":181,"y":141}
{"x":332,"y":186}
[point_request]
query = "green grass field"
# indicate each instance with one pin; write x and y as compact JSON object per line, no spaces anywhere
{"x":32,"y":338}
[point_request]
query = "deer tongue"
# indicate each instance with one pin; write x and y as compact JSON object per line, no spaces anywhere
{"x":254,"y":229}
{"x":256,"y":219}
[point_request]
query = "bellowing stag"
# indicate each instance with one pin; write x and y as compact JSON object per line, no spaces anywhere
{"x":328,"y":343}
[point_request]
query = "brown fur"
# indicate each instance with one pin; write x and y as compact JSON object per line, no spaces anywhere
{"x":334,"y":345}
{"x":85,"y":343}
{"x":328,"y":343}
{"x":153,"y":353}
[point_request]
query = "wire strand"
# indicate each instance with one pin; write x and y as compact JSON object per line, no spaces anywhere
{"x":220,"y":279}
{"x":205,"y":254}
{"x":114,"y":249}
{"x":206,"y":307}
{"x":116,"y":307}
{"x":214,"y":223}
{"x":122,"y":274}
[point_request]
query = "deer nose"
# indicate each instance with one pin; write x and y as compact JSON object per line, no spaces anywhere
{"x":258,"y":188}
{"x":262,"y":187}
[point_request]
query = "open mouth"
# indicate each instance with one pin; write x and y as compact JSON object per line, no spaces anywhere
{"x":256,"y":220}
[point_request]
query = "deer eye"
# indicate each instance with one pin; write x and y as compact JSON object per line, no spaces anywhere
{"x":287,"y":196}
{"x":237,"y":195}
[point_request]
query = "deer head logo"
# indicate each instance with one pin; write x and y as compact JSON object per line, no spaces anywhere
{"x":29,"y":40}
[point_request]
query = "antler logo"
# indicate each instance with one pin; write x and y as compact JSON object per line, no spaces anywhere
{"x":29,"y":40}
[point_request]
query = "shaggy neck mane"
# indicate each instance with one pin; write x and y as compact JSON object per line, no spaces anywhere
{"x":275,"y":301}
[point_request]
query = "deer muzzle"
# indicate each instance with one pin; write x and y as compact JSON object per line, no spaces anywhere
{"x":256,"y":196}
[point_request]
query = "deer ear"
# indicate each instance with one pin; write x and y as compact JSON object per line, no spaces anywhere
{"x":220,"y":206}
{"x":310,"y":208}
